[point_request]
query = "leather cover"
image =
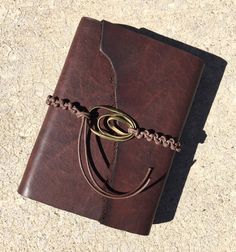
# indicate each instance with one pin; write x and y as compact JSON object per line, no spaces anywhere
{"x":154,"y":83}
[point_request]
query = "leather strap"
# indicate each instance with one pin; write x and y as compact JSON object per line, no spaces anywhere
{"x":120,"y":135}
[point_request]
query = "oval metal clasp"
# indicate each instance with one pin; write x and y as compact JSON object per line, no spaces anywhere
{"x":115,"y":116}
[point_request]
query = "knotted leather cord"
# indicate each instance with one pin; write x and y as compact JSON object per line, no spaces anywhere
{"x":133,"y":130}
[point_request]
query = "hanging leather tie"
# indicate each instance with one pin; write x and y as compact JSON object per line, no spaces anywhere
{"x":115,"y":115}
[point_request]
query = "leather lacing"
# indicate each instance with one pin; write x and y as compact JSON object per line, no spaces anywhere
{"x":157,"y":138}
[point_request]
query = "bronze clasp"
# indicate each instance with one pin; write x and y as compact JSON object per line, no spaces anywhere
{"x":111,"y":119}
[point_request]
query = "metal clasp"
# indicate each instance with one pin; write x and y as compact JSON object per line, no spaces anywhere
{"x":111,"y":120}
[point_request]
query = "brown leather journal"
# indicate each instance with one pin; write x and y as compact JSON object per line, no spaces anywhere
{"x":112,"y":127}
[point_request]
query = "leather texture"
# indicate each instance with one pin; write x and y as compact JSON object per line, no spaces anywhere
{"x":155,"y":83}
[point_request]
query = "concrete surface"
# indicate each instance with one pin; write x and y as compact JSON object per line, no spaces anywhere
{"x":35,"y":38}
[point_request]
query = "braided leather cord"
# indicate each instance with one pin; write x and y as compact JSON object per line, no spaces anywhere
{"x":158,"y":138}
{"x":66,"y":105}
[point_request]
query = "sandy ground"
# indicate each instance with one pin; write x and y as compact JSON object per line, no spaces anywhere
{"x":198,"y":211}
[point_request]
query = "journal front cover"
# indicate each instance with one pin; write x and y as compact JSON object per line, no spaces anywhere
{"x":153,"y":82}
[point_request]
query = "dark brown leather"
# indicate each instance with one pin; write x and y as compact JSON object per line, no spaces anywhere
{"x":155,"y":83}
